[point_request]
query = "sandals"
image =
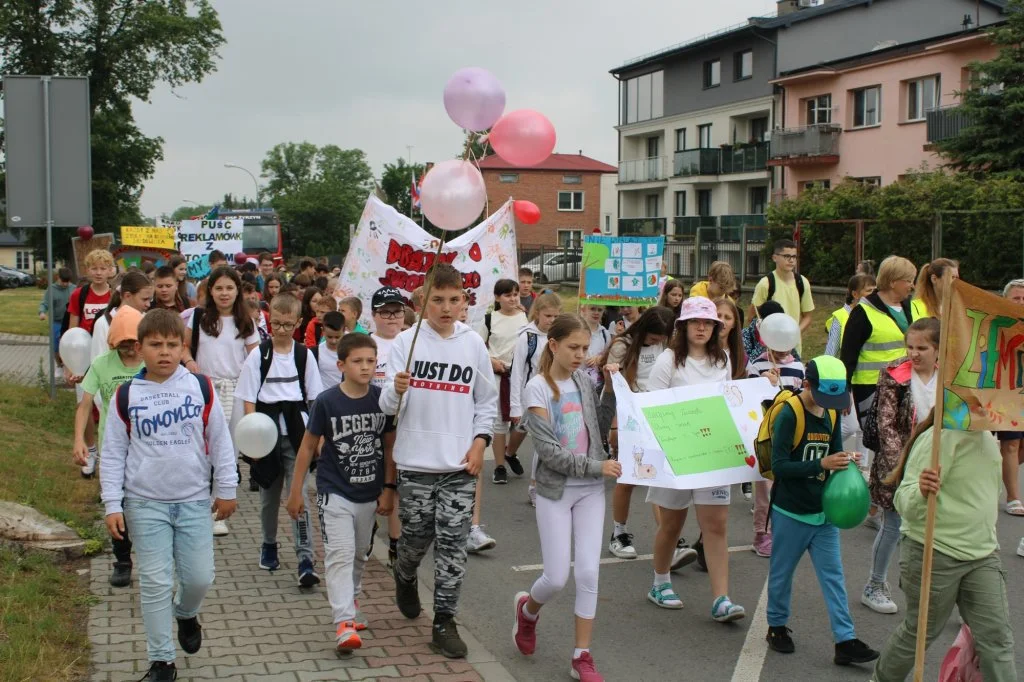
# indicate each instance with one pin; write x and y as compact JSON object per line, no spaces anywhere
{"x":1014,"y":508}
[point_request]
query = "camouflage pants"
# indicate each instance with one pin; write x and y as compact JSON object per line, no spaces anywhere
{"x":436,"y":508}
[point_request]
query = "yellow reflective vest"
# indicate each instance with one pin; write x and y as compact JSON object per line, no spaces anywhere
{"x":920,"y":309}
{"x":885,"y":344}
{"x":842,"y":315}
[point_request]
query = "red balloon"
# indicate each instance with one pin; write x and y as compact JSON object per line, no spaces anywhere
{"x":85,"y":232}
{"x":526,"y":211}
{"x":240,"y":258}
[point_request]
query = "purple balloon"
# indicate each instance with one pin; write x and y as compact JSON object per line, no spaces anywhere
{"x":474,"y":98}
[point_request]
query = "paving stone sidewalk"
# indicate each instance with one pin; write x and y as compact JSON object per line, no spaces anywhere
{"x":260,"y":626}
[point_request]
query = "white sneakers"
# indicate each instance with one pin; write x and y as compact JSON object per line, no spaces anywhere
{"x":621,"y":545}
{"x":878,"y":598}
{"x":1020,"y":548}
{"x":90,"y":465}
{"x":479,"y":540}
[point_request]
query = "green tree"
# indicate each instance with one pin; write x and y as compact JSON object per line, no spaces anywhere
{"x":125,"y":48}
{"x":318,"y":193}
{"x":186,"y":212}
{"x":994,"y":105}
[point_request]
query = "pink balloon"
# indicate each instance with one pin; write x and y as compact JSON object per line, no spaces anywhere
{"x":85,"y":232}
{"x":240,"y":258}
{"x":474,"y":98}
{"x":453,"y":194}
{"x":523,"y":137}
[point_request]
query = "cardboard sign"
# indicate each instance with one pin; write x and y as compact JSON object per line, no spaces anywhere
{"x":197,"y":238}
{"x":82,"y":248}
{"x":148,"y":237}
{"x":621,"y":271}
{"x":983,"y":370}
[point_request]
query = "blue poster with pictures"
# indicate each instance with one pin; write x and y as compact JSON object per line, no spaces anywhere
{"x":621,"y":271}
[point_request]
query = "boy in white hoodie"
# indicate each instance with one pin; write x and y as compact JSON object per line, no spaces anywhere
{"x":166,"y":429}
{"x":446,"y":409}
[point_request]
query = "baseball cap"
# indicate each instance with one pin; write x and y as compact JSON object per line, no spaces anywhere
{"x":827,"y":377}
{"x":124,"y":326}
{"x":385,"y":296}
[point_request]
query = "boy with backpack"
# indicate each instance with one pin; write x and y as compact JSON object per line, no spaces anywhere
{"x":61,"y":291}
{"x":280,"y":378}
{"x":355,"y":478}
{"x":448,"y":407}
{"x":805,"y":447}
{"x":156,"y":475}
{"x":785,"y":285}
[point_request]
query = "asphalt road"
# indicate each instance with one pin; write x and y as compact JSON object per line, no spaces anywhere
{"x":635,"y":640}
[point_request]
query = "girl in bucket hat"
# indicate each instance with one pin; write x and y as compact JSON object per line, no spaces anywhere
{"x":694,"y":356}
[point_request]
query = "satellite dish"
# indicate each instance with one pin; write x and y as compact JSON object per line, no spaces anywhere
{"x":885,"y":44}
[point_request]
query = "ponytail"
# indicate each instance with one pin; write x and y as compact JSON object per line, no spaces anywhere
{"x":926,"y":291}
{"x":133,"y":282}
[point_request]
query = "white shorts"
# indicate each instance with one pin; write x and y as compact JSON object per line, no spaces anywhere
{"x":670,"y":498}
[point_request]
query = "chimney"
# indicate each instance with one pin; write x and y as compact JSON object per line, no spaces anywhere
{"x":581,"y":152}
{"x":787,"y":7}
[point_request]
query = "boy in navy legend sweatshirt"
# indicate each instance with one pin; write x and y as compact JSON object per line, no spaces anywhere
{"x":166,"y":429}
{"x":448,"y":407}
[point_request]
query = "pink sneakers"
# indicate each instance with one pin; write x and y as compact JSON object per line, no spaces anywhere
{"x":763,"y":544}
{"x":583,"y":669}
{"x":524,"y":633}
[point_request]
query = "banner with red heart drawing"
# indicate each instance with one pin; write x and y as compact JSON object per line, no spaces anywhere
{"x":389,"y":249}
{"x":690,"y":437}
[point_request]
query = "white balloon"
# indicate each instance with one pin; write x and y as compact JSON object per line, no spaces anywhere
{"x":255,"y":435}
{"x":74,"y":350}
{"x":780,"y":332}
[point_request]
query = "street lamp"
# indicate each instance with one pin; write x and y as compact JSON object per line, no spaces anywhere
{"x":191,"y":201}
{"x":256,"y":184}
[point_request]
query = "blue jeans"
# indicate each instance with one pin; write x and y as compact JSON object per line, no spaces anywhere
{"x":55,"y":332}
{"x":790,"y":539}
{"x":171,"y":539}
{"x":886,"y":542}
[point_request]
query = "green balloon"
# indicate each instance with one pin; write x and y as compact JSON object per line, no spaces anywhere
{"x":846,"y":499}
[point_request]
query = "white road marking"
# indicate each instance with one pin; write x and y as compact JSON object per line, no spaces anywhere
{"x":755,"y":646}
{"x":617,"y":560}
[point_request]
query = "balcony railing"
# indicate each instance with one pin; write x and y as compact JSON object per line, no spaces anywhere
{"x":947,"y":123}
{"x":643,"y":170}
{"x":651,"y":227}
{"x":697,"y":162}
{"x":687,"y":226}
{"x":745,"y":159}
{"x":816,"y":143}
{"x":722,"y":161}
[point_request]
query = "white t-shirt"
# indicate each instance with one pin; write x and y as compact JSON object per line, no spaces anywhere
{"x":667,"y":374}
{"x":501,"y":342}
{"x":645,"y":363}
{"x":383,"y":351}
{"x":565,"y":414}
{"x":282,"y":384}
{"x":222,"y":356}
{"x":923,"y":395}
{"x":330,"y":375}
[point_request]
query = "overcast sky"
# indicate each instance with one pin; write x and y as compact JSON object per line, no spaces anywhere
{"x":370,"y":75}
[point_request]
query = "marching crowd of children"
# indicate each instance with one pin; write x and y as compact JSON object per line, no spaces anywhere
{"x":396,"y":424}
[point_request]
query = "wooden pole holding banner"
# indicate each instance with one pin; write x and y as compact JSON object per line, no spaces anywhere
{"x":929,"y":528}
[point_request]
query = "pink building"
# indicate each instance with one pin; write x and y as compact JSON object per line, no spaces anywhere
{"x":873,"y":117}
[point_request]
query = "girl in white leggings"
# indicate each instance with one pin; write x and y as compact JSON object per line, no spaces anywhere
{"x":565,"y":420}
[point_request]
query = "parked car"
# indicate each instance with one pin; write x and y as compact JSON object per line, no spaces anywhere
{"x":22,"y":279}
{"x":556,"y":266}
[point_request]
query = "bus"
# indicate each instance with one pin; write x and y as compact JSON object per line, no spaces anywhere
{"x":262,"y":231}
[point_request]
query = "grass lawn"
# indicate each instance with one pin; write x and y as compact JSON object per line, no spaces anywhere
{"x":44,"y":606}
{"x":21,"y":311}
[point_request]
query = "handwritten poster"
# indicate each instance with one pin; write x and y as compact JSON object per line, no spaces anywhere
{"x":692,"y":436}
{"x":621,"y":271}
{"x":983,"y":371}
{"x":197,"y":238}
{"x":149,"y":237}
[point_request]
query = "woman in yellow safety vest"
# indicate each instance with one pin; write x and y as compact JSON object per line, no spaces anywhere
{"x":859,"y":286}
{"x":874,"y":334}
{"x":928,"y":299}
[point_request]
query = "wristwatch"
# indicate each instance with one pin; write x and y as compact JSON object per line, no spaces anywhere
{"x":486,"y":437}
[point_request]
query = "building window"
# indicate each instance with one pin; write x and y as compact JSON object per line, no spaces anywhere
{"x":704,"y":136}
{"x":758,"y":200}
{"x":872,"y":181}
{"x":922,"y":95}
{"x":607,"y":224}
{"x":758,"y":129}
{"x":652,"y":205}
{"x":819,"y":110}
{"x":570,"y":239}
{"x":643,"y":97}
{"x":570,"y":201}
{"x":680,"y":204}
{"x":652,"y":147}
{"x":680,"y":139}
{"x":23,"y":260}
{"x":817,"y":184}
{"x":867,"y":110}
{"x":572,"y":179}
{"x":712,"y":73}
{"x":508,"y":177}
{"x":703,"y":202}
{"x":743,"y":65}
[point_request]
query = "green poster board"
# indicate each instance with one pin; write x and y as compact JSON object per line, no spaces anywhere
{"x":697,"y":436}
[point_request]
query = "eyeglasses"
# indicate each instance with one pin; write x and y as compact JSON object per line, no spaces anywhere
{"x":786,"y":256}
{"x":283,"y":326}
{"x":390,"y":314}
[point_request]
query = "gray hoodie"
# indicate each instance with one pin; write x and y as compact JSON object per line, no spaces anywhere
{"x":555,"y":463}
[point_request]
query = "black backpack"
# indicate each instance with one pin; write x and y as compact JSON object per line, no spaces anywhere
{"x":205,"y":387}
{"x":267,"y":357}
{"x":799,"y":285}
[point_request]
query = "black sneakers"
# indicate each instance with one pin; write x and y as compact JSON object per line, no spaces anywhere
{"x":122,"y":574}
{"x":446,"y":640}
{"x":407,"y":596}
{"x":190,"y":634}
{"x":514,"y":464}
{"x":161,"y":671}
{"x":392,"y":554}
{"x":854,"y":651}
{"x":702,"y":563}
{"x":500,"y":475}
{"x":779,"y":639}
